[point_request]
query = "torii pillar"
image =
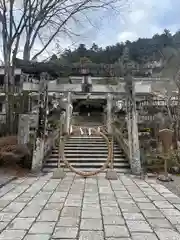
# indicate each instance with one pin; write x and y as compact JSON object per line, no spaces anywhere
{"x":109,"y":113}
{"x":132,"y":122}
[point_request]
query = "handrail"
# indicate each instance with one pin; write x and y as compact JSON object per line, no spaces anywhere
{"x":50,"y":142}
{"x":123,"y":143}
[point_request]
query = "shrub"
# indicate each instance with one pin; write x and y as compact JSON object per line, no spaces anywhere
{"x":9,"y":140}
{"x":12,"y":153}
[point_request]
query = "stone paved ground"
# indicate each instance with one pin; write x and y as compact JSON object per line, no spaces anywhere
{"x":88,"y":209}
{"x":173,"y":186}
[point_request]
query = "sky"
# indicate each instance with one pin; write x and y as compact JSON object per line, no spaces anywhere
{"x":141,"y":18}
{"x":144,"y":19}
{"x":137,"y":19}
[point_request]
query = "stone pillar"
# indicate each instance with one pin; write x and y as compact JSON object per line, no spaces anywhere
{"x":133,"y":137}
{"x":129,"y":128}
{"x":109,"y":113}
{"x":68,"y":113}
{"x":23,"y":129}
{"x":42,"y":103}
{"x":136,"y":163}
{"x":38,"y":151}
{"x":38,"y":156}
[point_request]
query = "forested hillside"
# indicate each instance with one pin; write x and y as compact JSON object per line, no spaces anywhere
{"x":165,"y":47}
{"x":141,"y":51}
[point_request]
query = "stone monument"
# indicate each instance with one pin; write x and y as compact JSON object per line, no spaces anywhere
{"x":166,"y":137}
{"x":23,"y":129}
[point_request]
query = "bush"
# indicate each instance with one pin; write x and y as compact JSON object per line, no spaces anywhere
{"x":9,"y":140}
{"x":173,"y":160}
{"x":12,"y":153}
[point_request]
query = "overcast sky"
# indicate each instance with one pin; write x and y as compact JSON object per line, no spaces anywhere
{"x":143,"y":18}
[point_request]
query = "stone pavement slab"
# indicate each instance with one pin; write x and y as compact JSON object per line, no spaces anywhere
{"x":37,"y":237}
{"x":91,"y":235}
{"x":5,"y":178}
{"x":94,"y":208}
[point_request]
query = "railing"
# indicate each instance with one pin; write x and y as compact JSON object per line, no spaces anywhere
{"x":50,"y":142}
{"x":122,"y":142}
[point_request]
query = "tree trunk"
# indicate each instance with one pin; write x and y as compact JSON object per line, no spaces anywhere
{"x":9,"y":91}
{"x":26,"y":52}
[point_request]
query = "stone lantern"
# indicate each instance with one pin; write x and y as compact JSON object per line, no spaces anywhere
{"x":86,"y":80}
{"x":166,"y":136}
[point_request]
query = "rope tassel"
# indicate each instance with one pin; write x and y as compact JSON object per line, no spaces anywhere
{"x":89,"y":131}
{"x":81,"y":131}
{"x":71,"y":129}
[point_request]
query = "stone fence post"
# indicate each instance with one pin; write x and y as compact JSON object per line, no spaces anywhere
{"x":68,"y":113}
{"x":109,"y":113}
{"x":23,"y":129}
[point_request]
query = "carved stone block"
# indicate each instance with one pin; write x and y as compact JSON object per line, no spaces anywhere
{"x":166,"y":137}
{"x":23,"y":129}
{"x":111,"y":174}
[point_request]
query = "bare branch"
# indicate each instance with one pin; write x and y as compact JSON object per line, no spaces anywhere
{"x":44,"y":20}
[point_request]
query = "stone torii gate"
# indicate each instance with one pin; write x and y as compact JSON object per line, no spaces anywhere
{"x":131,"y":112}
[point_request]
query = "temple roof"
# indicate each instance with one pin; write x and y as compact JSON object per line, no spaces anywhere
{"x":55,"y":68}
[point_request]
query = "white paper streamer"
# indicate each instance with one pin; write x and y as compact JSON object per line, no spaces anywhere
{"x":89,"y":131}
{"x":82,"y":133}
{"x":71,"y":129}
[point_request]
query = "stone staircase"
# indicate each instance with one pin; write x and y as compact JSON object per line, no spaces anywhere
{"x":87,"y":153}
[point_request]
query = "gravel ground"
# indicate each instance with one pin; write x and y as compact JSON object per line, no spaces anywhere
{"x":173,"y":186}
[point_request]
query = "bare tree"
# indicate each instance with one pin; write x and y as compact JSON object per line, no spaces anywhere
{"x":43,"y":20}
{"x":54,"y":17}
{"x":23,"y":22}
{"x":11,"y":34}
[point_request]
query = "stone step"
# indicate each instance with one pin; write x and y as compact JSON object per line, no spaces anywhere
{"x":86,"y":145}
{"x":83,"y":155}
{"x":87,"y":141}
{"x":93,"y":138}
{"x":92,"y":160}
{"x":94,"y":153}
{"x":85,"y":137}
{"x":118,"y":170}
{"x":91,"y":148}
{"x":101,"y":140}
{"x":88,"y":158}
{"x":86,"y":151}
{"x":87,"y":166}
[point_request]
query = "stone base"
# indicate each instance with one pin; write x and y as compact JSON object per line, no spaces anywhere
{"x":152,"y":175}
{"x":36,"y":174}
{"x":146,"y":176}
{"x":111,"y":174}
{"x":58,"y":174}
{"x":164,"y":178}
